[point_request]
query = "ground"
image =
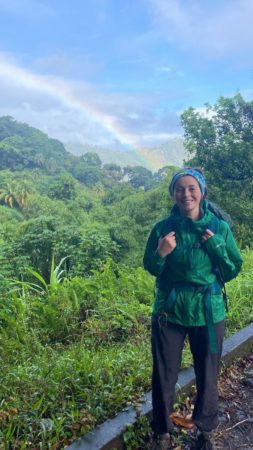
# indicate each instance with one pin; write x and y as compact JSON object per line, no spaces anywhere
{"x":236,"y":407}
{"x":235,"y":430}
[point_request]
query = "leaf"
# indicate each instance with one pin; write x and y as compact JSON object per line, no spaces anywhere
{"x":39,"y":277}
{"x":182,"y":421}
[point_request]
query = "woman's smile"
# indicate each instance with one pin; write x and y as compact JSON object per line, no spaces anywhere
{"x":187,"y":195}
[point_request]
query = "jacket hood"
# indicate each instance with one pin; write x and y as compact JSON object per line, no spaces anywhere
{"x":186,"y":223}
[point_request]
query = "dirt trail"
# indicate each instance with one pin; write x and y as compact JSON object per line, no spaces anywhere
{"x":235,"y":430}
{"x":236,"y":406}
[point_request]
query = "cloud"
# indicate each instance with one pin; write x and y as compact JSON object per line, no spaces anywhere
{"x":165,"y":69}
{"x":152,"y":139}
{"x":222,"y":29}
{"x":77,"y":111}
{"x":205,"y":112}
{"x":133,"y":116}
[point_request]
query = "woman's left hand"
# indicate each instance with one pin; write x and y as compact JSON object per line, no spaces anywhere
{"x":206,"y":235}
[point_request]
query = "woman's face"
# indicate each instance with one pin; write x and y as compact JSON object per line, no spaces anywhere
{"x":187,"y":195}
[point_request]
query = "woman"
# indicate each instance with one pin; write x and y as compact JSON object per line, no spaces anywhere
{"x":191,"y":253}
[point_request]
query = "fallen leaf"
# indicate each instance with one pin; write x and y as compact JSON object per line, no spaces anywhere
{"x":182,"y":421}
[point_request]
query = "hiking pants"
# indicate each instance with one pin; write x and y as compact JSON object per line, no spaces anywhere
{"x":167,"y":345}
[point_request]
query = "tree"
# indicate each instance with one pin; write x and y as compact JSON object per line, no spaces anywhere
{"x":113,"y":171}
{"x":117,"y":193}
{"x":63,"y":188}
{"x":139,"y":177}
{"x":88,"y":169}
{"x":222,"y":141}
{"x":36,"y":241}
{"x":91,"y":159}
{"x":95,"y":248}
{"x":8,"y":125}
{"x":88,"y":175}
{"x":164,"y":174}
{"x":15,"y":194}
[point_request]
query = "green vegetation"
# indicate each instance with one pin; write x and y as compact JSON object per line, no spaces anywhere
{"x":72,"y":353}
{"x":75,"y":301}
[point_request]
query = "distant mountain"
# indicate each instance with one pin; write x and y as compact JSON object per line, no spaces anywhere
{"x":153,"y":158}
{"x":26,"y":147}
{"x":121,"y":157}
{"x":172,"y":153}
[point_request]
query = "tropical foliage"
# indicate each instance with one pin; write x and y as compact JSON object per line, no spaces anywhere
{"x":75,"y":301}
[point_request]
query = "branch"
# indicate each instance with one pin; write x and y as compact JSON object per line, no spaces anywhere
{"x":234,"y":426}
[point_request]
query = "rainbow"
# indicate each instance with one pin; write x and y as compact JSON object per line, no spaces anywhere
{"x":63,"y":92}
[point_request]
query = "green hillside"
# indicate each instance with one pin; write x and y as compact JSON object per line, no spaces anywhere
{"x":25,"y":147}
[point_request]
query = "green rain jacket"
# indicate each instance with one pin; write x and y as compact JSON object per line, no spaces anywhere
{"x":189,"y":269}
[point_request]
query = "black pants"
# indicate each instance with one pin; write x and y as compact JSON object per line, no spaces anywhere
{"x":167,"y":345}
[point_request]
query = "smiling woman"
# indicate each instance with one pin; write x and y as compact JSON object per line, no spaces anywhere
{"x":187,"y":195}
{"x":189,"y":253}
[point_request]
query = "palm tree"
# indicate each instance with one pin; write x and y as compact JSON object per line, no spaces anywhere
{"x":15,"y":195}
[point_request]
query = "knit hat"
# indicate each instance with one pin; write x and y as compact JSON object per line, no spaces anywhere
{"x":188,"y":171}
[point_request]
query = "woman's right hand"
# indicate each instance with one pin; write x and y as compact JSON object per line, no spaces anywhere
{"x":167,"y":244}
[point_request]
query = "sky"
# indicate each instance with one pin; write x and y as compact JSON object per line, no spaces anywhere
{"x":118,"y":73}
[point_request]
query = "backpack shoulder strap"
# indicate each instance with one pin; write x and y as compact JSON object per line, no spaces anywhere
{"x":214,"y":225}
{"x":167,"y":226}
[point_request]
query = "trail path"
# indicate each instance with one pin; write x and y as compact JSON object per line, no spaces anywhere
{"x":236,"y":406}
{"x":235,"y":430}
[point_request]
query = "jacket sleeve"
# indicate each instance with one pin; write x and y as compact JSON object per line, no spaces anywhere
{"x":152,"y":261}
{"x":224,"y":253}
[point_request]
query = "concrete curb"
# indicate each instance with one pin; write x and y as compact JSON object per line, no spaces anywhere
{"x":108,"y":436}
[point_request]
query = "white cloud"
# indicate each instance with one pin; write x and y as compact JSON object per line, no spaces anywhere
{"x":79,"y":112}
{"x":133,"y":116}
{"x":165,"y":69}
{"x":205,"y":112}
{"x":219,"y":28}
